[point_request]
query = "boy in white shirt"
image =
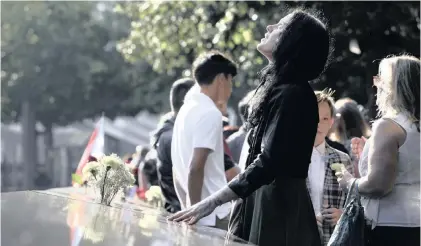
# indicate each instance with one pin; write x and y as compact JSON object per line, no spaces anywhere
{"x":197,"y":146}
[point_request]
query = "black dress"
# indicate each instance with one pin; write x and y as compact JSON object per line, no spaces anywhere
{"x":275,"y":207}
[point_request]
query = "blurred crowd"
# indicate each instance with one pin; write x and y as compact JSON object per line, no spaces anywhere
{"x":340,"y":123}
{"x":297,"y":155}
{"x":350,"y":121}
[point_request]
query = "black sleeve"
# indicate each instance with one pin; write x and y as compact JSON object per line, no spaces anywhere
{"x":228,"y":163}
{"x":164,"y":153}
{"x":279,"y":145}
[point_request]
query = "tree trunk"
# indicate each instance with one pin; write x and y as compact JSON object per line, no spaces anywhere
{"x":29,"y":144}
{"x":49,"y":151}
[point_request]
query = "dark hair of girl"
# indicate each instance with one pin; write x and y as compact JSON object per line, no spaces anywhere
{"x":300,"y":55}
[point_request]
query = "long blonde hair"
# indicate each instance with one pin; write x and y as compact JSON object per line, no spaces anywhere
{"x":398,"y":87}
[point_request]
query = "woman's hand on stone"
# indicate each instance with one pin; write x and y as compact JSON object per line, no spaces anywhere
{"x":194,"y":213}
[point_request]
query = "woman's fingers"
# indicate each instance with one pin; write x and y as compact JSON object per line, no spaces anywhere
{"x":178,"y":216}
{"x":174,"y":216}
{"x":185,"y":217}
{"x":190,"y":216}
{"x":193,"y":220}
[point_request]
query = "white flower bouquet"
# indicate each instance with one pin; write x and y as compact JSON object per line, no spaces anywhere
{"x":108,"y":175}
{"x":154,"y":197}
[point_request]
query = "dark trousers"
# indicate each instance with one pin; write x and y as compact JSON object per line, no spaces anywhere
{"x":392,"y":236}
{"x":222,"y":223}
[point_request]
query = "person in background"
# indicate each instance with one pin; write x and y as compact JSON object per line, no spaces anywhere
{"x":334,"y":144}
{"x":275,"y":207}
{"x":326,"y":195}
{"x":229,"y":130}
{"x":235,"y":141}
{"x":137,"y":164}
{"x":363,"y":111}
{"x":150,"y":168}
{"x":137,"y":160}
{"x":230,"y":167}
{"x":161,"y":142}
{"x":390,"y":160}
{"x":223,"y":107}
{"x":350,"y":123}
{"x":197,"y":149}
{"x":90,"y":159}
{"x":128,"y":160}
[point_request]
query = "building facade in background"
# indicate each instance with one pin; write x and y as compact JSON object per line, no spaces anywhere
{"x":121,"y":137}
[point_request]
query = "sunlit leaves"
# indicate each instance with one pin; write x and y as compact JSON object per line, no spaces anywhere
{"x":169,"y":35}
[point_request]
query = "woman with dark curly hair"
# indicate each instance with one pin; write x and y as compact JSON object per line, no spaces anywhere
{"x":275,"y":208}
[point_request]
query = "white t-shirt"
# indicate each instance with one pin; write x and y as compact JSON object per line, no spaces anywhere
{"x":244,"y":154}
{"x":316,"y":176}
{"x":199,"y":125}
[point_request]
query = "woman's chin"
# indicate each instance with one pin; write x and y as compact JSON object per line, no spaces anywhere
{"x":261,"y":47}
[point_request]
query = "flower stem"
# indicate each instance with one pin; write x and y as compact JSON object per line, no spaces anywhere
{"x":103,"y":185}
{"x":112,"y":198}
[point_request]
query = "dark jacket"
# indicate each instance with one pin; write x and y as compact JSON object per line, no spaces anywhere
{"x":275,"y":208}
{"x":337,"y":145}
{"x":162,"y":144}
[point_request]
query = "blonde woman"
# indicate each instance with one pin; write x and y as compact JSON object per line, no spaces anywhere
{"x":390,"y":160}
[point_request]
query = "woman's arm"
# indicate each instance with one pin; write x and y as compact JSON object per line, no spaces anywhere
{"x":386,"y":139}
{"x":278,"y":146}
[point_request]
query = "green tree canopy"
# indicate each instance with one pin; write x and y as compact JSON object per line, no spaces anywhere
{"x":62,"y":57}
{"x":169,"y":35}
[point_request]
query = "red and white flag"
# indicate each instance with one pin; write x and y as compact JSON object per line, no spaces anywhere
{"x":95,"y":146}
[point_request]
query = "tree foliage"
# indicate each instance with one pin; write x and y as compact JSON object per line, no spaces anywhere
{"x":169,"y":35}
{"x":62,"y":57}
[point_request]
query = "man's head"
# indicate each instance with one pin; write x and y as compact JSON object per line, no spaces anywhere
{"x":326,"y":113}
{"x":214,"y":72}
{"x":244,"y":106}
{"x":179,"y":90}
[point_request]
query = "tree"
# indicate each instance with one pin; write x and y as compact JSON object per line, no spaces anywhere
{"x":169,"y":35}
{"x":60,"y":65}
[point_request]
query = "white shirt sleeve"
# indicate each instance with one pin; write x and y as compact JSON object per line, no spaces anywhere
{"x":208,"y":131}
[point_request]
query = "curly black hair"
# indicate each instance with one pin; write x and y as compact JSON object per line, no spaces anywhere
{"x":301,"y":53}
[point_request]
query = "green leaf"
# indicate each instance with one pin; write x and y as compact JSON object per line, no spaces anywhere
{"x":76,"y":178}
